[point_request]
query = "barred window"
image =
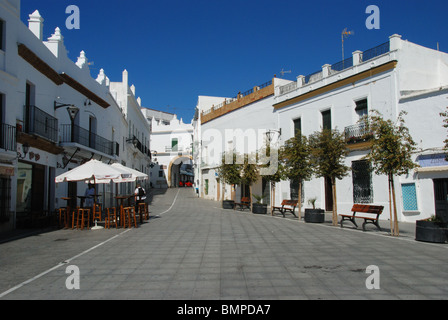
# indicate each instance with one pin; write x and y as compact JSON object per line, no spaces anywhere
{"x":362,"y":182}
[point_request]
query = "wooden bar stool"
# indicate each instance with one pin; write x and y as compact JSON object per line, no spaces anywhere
{"x":82,"y":218}
{"x":63,"y":217}
{"x":143,"y":209}
{"x":129,"y":216}
{"x":96,"y":212}
{"x":111,"y":217}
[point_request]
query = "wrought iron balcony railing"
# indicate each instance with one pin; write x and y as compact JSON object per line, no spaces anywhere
{"x":40,"y":123}
{"x":358,"y":133}
{"x":84,"y":137}
{"x":8,"y":140}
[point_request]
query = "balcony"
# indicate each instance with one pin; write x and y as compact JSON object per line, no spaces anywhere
{"x":142,"y":148}
{"x":38,"y":122}
{"x":76,"y":134}
{"x":8,"y":137}
{"x":358,"y":136}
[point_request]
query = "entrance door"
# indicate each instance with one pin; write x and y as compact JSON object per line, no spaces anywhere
{"x":328,"y":195}
{"x":441,"y":198}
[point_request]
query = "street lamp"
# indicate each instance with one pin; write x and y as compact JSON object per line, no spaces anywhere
{"x":25,"y":149}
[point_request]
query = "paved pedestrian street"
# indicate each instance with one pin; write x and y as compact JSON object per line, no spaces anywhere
{"x":191,"y":249}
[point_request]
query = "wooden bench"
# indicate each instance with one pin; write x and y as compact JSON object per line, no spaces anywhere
{"x":373,"y":211}
{"x":245,"y":203}
{"x":287,"y":205}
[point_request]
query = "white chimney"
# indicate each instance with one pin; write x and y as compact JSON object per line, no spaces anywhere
{"x":35,"y":24}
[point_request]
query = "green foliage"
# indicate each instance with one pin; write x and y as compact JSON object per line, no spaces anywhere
{"x":295,"y":159}
{"x":230,"y":173}
{"x":445,"y":125}
{"x":249,"y":170}
{"x":328,"y":151}
{"x":392,"y":146}
{"x":258,"y":198}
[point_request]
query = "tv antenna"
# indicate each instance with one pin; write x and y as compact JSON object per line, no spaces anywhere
{"x":345,"y":35}
{"x":282,"y":73}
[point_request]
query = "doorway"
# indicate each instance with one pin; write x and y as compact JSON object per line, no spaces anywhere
{"x":441,"y":198}
{"x":328,"y":195}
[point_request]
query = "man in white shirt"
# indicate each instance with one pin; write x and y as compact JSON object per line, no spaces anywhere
{"x":140,"y":197}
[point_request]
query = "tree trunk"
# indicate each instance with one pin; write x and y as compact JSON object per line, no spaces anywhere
{"x":396,"y":231}
{"x":390,"y":207}
{"x":250,"y":197}
{"x":299,"y":204}
{"x":335,"y":206}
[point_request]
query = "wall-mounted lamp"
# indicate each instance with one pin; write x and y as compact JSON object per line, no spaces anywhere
{"x":134,"y":141}
{"x":270,"y":134}
{"x":25,"y":149}
{"x":72,"y":109}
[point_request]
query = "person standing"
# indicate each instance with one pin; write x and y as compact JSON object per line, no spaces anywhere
{"x":140,"y":197}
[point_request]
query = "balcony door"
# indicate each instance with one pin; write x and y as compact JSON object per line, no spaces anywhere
{"x":92,"y":132}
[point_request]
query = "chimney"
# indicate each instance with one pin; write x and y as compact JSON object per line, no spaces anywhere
{"x":35,"y":24}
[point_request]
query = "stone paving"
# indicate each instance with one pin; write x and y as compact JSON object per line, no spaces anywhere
{"x":191,"y":249}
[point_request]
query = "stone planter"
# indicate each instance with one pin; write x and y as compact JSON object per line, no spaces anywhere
{"x":259,"y":208}
{"x":314,"y":215}
{"x":430,"y":231}
{"x":228,"y":204}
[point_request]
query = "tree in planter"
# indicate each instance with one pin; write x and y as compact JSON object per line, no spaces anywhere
{"x":249,"y":173}
{"x":230,"y":173}
{"x":390,"y":154}
{"x":270,"y":168}
{"x":295,"y":162}
{"x":328,"y":151}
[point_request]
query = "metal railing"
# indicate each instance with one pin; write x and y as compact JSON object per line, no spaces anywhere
{"x":357,"y":133}
{"x":40,"y":123}
{"x":8,"y":140}
{"x":375,"y":52}
{"x":342,"y":65}
{"x":84,"y":137}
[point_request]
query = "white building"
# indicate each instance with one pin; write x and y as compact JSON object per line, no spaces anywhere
{"x":55,"y":116}
{"x":172,"y":147}
{"x":395,"y":76}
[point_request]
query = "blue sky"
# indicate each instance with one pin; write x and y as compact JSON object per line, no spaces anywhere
{"x":177,"y":50}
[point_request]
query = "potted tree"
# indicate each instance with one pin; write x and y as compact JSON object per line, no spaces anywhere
{"x":295,"y":163}
{"x":433,"y":230}
{"x":328,"y":150}
{"x":257,"y":206}
{"x":314,"y":215}
{"x":391,"y":154}
{"x":229,"y":172}
{"x":249,"y":173}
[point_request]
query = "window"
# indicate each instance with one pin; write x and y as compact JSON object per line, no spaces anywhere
{"x":2,"y":35}
{"x":326,"y":119}
{"x":297,"y":125}
{"x":160,"y":173}
{"x":362,"y":182}
{"x":409,"y":197}
{"x":174,"y":143}
{"x":361,"y":108}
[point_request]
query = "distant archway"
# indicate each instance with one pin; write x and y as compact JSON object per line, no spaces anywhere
{"x":175,"y":163}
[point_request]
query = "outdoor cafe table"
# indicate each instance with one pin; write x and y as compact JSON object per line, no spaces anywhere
{"x":120,"y":200}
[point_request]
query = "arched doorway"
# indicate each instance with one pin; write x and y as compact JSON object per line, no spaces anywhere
{"x":180,"y":170}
